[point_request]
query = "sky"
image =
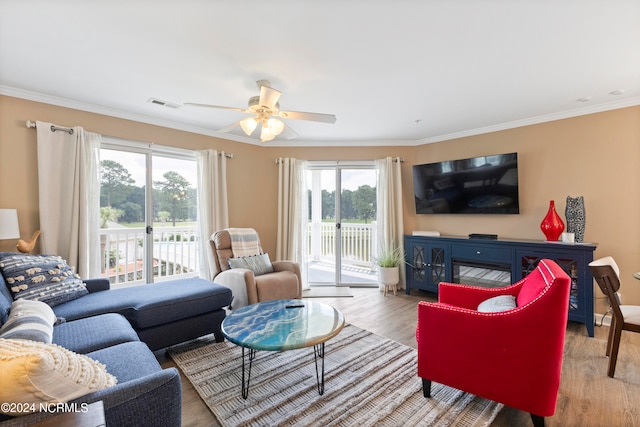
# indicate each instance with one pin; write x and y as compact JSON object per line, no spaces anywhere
{"x":351,"y":179}
{"x":135,"y":164}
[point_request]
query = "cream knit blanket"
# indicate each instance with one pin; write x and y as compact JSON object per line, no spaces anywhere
{"x":244,"y":242}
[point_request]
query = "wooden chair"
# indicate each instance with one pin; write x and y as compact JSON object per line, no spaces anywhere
{"x":625,"y":317}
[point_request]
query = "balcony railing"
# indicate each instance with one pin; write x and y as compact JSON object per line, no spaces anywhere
{"x":357,"y":243}
{"x":175,"y":250}
{"x":175,"y":253}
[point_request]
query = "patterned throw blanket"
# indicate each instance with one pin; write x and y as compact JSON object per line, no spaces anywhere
{"x":244,"y":242}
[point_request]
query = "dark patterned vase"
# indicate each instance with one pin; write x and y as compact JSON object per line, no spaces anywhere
{"x":575,"y":215}
{"x":552,"y":225}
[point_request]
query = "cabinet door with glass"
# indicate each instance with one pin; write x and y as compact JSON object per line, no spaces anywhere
{"x":426,"y":264}
{"x":581,"y":292}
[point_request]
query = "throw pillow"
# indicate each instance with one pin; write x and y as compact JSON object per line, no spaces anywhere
{"x":29,"y":320}
{"x":33,"y":372}
{"x":45,"y":278}
{"x":497,"y":304}
{"x":259,"y":264}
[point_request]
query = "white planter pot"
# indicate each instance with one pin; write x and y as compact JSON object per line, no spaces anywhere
{"x":388,"y":275}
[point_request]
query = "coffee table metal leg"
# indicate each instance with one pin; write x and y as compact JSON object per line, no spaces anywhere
{"x":318,"y":351}
{"x":245,"y":385}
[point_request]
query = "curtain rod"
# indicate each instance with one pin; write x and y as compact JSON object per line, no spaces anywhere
{"x":395,"y":159}
{"x":32,"y":124}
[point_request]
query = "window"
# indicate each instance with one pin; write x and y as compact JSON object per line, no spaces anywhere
{"x":341,"y":230}
{"x":148,"y":212}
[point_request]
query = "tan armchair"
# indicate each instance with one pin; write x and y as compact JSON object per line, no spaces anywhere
{"x":284,"y":283}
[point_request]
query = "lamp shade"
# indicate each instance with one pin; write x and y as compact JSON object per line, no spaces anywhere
{"x":275,"y":126}
{"x":265,"y":134}
{"x":9,"y":228}
{"x":248,"y":125}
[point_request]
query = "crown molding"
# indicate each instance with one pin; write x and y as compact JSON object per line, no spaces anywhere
{"x":567,"y":114}
{"x":92,"y":108}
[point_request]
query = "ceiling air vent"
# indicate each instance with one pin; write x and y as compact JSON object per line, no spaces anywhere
{"x":163,"y":103}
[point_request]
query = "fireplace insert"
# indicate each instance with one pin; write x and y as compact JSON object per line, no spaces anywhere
{"x":483,"y":274}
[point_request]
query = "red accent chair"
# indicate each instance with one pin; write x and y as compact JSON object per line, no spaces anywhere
{"x":513,"y":357}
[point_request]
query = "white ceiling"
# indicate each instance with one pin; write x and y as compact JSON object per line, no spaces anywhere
{"x":393,"y":72}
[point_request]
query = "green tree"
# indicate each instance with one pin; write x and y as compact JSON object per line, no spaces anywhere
{"x":346,"y":205}
{"x":132,"y":212}
{"x":328,"y":204}
{"x":364,"y":202}
{"x":115,"y":181}
{"x":137,"y":195}
{"x":164,"y":216}
{"x":107,"y":214}
{"x":174,"y":192}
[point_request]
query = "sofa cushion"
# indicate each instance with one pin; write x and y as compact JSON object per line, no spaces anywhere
{"x":151,"y":305}
{"x":127,"y":361}
{"x":29,"y":320}
{"x":6,"y":299}
{"x":45,"y":278}
{"x":259,"y":264}
{"x":94,"y":333}
{"x":497,"y":304}
{"x":33,"y":372}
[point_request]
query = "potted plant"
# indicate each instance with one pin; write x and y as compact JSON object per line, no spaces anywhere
{"x":389,"y":263}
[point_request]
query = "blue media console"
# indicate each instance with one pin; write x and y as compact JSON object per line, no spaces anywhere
{"x":489,"y":263}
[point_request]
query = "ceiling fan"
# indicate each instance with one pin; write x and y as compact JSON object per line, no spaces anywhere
{"x":265,"y":111}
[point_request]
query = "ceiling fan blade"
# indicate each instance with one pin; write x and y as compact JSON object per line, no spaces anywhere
{"x":231,"y":127}
{"x":193,"y":104}
{"x":313,"y":117}
{"x":288,"y":133}
{"x":269,"y":97}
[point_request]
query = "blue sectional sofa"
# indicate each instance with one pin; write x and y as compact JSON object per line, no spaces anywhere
{"x":162,"y":314}
{"x":120,"y":328}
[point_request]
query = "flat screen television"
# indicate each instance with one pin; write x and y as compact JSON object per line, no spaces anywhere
{"x":478,"y":185}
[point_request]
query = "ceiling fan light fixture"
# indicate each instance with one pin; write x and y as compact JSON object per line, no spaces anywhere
{"x":266,"y":135}
{"x":265,"y":112}
{"x":275,"y":126}
{"x":248,"y":125}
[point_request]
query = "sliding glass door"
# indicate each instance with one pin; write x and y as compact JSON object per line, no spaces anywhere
{"x":341,"y":230}
{"x":148,"y":211}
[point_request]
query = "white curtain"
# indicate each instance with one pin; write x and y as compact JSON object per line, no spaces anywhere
{"x":69,"y":196}
{"x":213,"y":208}
{"x":389,"y":201}
{"x":290,"y":244}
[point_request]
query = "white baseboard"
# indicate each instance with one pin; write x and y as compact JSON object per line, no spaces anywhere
{"x":605,"y":322}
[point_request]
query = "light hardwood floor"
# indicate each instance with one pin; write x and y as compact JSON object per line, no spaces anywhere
{"x":587,"y":396}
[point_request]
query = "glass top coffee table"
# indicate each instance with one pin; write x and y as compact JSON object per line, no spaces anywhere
{"x":282,"y":325}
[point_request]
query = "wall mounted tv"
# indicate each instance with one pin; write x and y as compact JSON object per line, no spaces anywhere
{"x":484,"y":185}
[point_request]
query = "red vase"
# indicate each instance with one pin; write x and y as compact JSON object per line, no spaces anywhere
{"x":552,"y":225}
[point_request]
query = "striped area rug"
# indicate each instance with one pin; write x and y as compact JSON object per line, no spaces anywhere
{"x":369,"y":381}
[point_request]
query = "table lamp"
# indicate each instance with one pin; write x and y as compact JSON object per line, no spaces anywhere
{"x":9,"y":228}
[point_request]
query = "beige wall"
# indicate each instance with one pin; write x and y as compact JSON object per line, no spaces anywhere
{"x":595,"y":156}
